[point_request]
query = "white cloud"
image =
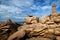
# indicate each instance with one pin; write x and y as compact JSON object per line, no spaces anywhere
{"x":35,"y":7}
{"x":48,"y":2}
{"x":10,"y":8}
{"x":9,"y":12}
{"x":20,"y":3}
{"x":18,"y":17}
{"x":7,"y":16}
{"x":41,"y":10}
{"x":46,"y":7}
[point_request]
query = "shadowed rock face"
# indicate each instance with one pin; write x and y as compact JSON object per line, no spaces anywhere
{"x":7,"y":28}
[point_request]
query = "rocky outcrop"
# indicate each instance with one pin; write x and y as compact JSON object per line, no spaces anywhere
{"x":7,"y":28}
{"x":47,"y":27}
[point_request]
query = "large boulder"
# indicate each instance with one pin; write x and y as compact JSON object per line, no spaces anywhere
{"x":44,"y":19}
{"x":31,"y":20}
{"x":57,"y":31}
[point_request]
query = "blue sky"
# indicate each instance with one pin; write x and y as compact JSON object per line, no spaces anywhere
{"x":17,"y":10}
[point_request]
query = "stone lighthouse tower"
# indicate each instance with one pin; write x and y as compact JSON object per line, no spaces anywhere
{"x":54,"y":9}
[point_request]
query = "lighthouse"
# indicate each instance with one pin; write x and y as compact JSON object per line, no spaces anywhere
{"x":54,"y":9}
